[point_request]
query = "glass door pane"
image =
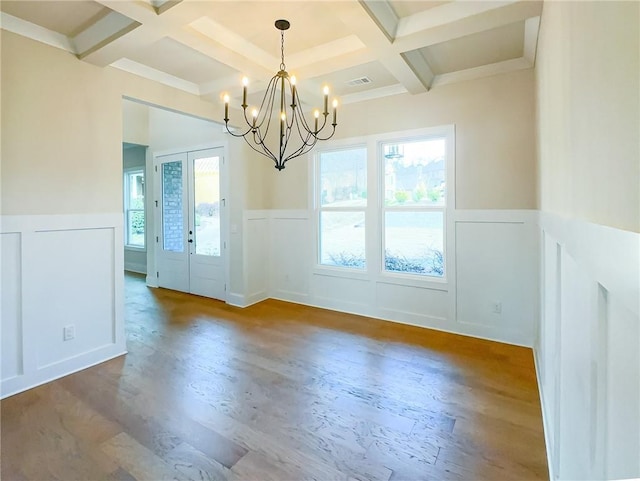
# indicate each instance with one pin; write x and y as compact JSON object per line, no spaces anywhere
{"x":206,"y":215}
{"x":172,"y":212}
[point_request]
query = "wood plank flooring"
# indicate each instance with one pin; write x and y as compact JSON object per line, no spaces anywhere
{"x":279,"y":392}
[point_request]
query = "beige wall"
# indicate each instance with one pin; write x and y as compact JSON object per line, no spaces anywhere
{"x":588,"y":92}
{"x":135,"y":122}
{"x":62,"y":132}
{"x":495,"y":139}
{"x":60,"y":118}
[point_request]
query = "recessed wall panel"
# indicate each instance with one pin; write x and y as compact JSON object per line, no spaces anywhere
{"x":495,"y":287}
{"x":74,"y":287}
{"x":291,"y":255}
{"x":416,"y":301}
{"x":11,"y":301}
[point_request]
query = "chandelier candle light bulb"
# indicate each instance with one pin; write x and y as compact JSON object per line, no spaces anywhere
{"x":245,"y":82}
{"x":293,"y":91}
{"x":326,"y":100}
{"x":296,"y":136}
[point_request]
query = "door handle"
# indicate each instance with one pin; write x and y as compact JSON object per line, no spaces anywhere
{"x":190,"y":241}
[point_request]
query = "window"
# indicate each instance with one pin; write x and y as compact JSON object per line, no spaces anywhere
{"x":134,"y":208}
{"x":413,"y":208}
{"x":342,"y":201}
{"x":399,"y":229}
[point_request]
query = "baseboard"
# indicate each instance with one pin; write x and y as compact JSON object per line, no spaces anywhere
{"x":546,"y":429}
{"x":135,"y":267}
{"x":16,"y":385}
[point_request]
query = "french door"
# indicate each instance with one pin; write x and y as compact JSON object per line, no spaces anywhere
{"x":191,"y":242}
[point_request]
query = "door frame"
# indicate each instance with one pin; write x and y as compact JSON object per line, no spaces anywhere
{"x":153,"y":206}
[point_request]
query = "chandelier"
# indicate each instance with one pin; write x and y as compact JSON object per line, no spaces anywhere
{"x":296,"y":136}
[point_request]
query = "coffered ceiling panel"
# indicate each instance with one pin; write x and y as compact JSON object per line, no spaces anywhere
{"x":312,"y":23}
{"x":66,"y":17}
{"x":363,"y":49}
{"x":174,"y":58}
{"x":483,"y":48}
{"x":358,"y":78}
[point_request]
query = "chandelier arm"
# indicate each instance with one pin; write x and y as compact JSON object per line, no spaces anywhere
{"x":304,"y":120}
{"x":258,"y":140}
{"x":327,"y":138}
{"x":306,"y":136}
{"x":266,"y":152}
{"x":259,"y":132}
{"x":226,"y":124}
{"x":303,"y":149}
{"x":305,"y":142}
{"x":268,"y":98}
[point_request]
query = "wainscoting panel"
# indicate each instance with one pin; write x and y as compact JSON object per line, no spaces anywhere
{"x":255,"y":227}
{"x":496,"y":275}
{"x":343,"y":294}
{"x":77,"y":288}
{"x":60,"y":271}
{"x":11,"y":289}
{"x":499,"y":248}
{"x":588,"y":351}
{"x":291,"y":255}
{"x":413,"y":305}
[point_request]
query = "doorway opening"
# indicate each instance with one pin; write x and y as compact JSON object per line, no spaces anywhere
{"x":190,"y":217}
{"x":180,"y":237}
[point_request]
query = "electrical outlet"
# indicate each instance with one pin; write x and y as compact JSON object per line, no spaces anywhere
{"x":69,"y":332}
{"x":496,"y":307}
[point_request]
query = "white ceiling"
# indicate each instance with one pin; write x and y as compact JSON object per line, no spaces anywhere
{"x":206,"y":47}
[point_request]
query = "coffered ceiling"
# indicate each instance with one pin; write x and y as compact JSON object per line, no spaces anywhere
{"x":362,"y":49}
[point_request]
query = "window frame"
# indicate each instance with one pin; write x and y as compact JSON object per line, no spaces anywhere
{"x":374,"y":240}
{"x":128,"y":172}
{"x":319,"y":209}
{"x":425,"y":136}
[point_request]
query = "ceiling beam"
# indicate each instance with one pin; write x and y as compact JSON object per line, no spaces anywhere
{"x":36,"y":32}
{"x":477,"y":20}
{"x":110,"y":27}
{"x":153,"y":27}
{"x":377,"y":40}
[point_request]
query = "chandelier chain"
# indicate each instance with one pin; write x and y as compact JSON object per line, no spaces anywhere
{"x":282,"y":65}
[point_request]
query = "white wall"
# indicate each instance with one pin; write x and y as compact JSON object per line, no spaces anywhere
{"x":496,"y":255}
{"x":52,"y":278}
{"x":588,"y":357}
{"x":587,"y":354}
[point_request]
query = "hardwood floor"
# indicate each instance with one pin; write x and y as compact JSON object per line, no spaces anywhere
{"x":279,"y":392}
